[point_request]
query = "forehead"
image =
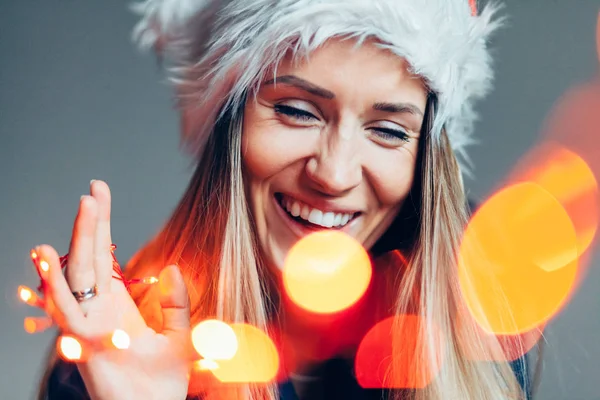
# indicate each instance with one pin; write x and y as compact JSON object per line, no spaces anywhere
{"x":344,"y":64}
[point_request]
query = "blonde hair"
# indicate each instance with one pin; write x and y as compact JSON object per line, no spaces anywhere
{"x":211,"y":238}
{"x":433,"y":275}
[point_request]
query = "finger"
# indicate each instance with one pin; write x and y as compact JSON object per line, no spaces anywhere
{"x":37,"y":324}
{"x":36,"y":262}
{"x":80,"y":266}
{"x":28,"y":296}
{"x":58,"y":292}
{"x":174,"y":301}
{"x":103,"y":265}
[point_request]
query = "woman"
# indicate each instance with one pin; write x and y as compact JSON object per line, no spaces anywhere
{"x":304,"y":115}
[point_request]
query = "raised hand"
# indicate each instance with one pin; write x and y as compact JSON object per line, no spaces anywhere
{"x":89,"y":304}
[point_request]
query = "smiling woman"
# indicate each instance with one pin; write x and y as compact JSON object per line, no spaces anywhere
{"x":305,"y":116}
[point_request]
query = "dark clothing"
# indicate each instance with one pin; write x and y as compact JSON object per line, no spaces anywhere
{"x":65,"y":383}
{"x":335,"y":381}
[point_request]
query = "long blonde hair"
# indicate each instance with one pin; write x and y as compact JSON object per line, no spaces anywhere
{"x":433,"y":275}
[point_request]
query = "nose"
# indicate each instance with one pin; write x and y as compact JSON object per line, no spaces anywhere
{"x":335,"y":168}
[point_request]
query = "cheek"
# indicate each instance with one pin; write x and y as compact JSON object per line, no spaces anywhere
{"x":393,"y":175}
{"x":259,"y":162}
{"x":267,"y":147}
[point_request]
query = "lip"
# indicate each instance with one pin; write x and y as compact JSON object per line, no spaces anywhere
{"x":323,"y":205}
{"x":302,"y":230}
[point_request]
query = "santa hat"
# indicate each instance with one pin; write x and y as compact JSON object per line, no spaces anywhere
{"x":221,"y":49}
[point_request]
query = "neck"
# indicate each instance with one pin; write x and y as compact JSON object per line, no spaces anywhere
{"x":308,"y":338}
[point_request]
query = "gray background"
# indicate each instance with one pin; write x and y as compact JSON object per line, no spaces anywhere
{"x":77,"y":101}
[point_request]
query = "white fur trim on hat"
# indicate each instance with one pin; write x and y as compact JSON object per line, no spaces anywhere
{"x":221,"y":49}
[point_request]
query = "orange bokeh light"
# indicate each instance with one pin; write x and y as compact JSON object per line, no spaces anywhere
{"x":518,"y":260}
{"x":214,"y":340}
{"x":392,"y":354}
{"x":501,"y":347}
{"x":326,"y":272}
{"x":29,"y":325}
{"x":256,"y":359}
{"x":69,"y":348}
{"x":567,"y":177}
{"x":36,"y":324}
{"x":205,"y":365}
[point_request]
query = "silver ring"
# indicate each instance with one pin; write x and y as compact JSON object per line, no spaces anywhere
{"x":85,"y":294}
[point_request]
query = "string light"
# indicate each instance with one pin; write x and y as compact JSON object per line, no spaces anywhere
{"x":214,"y":340}
{"x":149,"y":280}
{"x":117,"y":272}
{"x":44,"y":266}
{"x":120,"y":339}
{"x":206,"y":364}
{"x":69,"y":348}
{"x":28,"y":296}
{"x":25,"y":294}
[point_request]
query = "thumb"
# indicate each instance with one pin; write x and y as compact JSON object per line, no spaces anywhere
{"x":174,"y":301}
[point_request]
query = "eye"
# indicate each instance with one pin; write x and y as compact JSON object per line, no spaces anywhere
{"x":391,"y":135}
{"x":294,"y":113}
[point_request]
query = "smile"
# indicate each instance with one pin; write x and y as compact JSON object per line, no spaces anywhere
{"x":307,"y":215}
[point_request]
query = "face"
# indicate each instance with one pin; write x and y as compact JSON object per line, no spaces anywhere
{"x":331,"y":143}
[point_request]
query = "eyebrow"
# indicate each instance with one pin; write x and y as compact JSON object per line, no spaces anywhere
{"x":305,"y":85}
{"x":398,"y":108}
{"x":311,"y":88}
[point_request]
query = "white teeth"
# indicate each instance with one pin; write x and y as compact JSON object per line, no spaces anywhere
{"x":305,"y":212}
{"x":328,"y":219}
{"x":295,"y":209}
{"x":338,"y":219}
{"x":313,"y":215}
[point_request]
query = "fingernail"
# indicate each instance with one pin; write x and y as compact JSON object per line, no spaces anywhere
{"x":92,"y":181}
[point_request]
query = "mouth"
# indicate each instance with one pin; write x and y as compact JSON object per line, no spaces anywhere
{"x":309,"y":218}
